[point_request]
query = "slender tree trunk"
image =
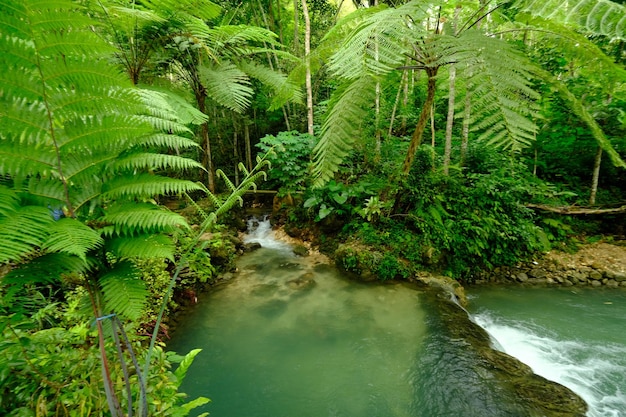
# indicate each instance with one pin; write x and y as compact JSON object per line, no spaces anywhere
{"x":235,"y":149}
{"x":396,"y":102}
{"x":405,"y":102}
{"x":432,"y":125}
{"x":449,"y":121}
{"x":377,"y":132}
{"x":296,"y":29}
{"x":416,"y":139}
{"x":246,"y":133}
{"x":466,"y":122}
{"x":596,"y":176}
{"x":307,"y":52}
{"x":207,"y":159}
{"x":451,"y":98}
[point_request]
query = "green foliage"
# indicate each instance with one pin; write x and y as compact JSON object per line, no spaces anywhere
{"x":335,"y":198}
{"x":289,"y":154}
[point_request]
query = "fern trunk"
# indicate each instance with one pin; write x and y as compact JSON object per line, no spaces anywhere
{"x":207,"y":159}
{"x":416,"y":139}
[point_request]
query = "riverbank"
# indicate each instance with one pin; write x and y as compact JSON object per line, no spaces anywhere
{"x":596,"y":264}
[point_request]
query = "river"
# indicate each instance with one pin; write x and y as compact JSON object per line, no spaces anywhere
{"x":290,"y":336}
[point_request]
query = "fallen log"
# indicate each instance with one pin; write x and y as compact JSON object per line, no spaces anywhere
{"x":577,"y":211}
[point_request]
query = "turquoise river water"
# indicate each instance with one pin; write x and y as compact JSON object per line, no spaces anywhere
{"x":291,"y":337}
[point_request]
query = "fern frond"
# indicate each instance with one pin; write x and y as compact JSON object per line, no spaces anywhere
{"x":167,"y":141}
{"x":23,"y":232}
{"x":205,"y":10}
{"x":379,"y":43}
{"x":348,"y":105}
{"x":142,"y":218}
{"x":72,"y":237}
{"x":45,"y":269}
{"x":155,"y":161}
{"x":602,"y":17}
{"x":9,"y":202}
{"x":124,"y":292}
{"x":141,"y":246}
{"x":284,"y":90}
{"x":228,"y":86}
{"x":503,"y":102}
{"x":146,"y":185}
{"x":177,"y":107}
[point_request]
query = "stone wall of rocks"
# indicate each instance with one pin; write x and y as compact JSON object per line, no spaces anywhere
{"x":548,"y":272}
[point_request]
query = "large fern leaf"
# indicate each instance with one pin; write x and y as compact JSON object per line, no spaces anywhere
{"x":601,"y":17}
{"x":142,"y":218}
{"x":45,"y":269}
{"x":141,"y":246}
{"x":124,"y":292}
{"x":346,"y":110}
{"x":227,"y":85}
{"x":503,"y":102}
{"x":72,"y":237}
{"x":23,"y":232}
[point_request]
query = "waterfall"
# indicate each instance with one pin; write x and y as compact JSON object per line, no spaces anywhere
{"x":260,"y":231}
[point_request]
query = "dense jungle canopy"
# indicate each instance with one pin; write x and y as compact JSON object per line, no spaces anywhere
{"x":430,"y":132}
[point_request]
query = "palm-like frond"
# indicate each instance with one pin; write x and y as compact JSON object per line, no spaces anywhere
{"x":145,"y":185}
{"x":601,"y":17}
{"x":144,"y":246}
{"x":284,"y":89}
{"x":380,"y":42}
{"x":141,"y":218}
{"x":124,"y":292}
{"x":346,"y":109}
{"x":72,"y":237}
{"x":45,"y":269}
{"x":23,"y":231}
{"x":227,"y":85}
{"x":503,"y":102}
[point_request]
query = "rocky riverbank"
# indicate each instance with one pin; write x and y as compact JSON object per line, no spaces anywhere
{"x":600,"y":264}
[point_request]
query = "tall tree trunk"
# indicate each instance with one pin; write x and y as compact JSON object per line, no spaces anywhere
{"x":246,"y":133}
{"x":432,"y":125}
{"x":296,"y":29}
{"x":235,"y":149}
{"x":596,"y":176}
{"x":207,"y":159}
{"x":416,"y":139}
{"x":395,"y":104}
{"x":451,"y":98}
{"x":447,"y":152}
{"x":307,"y":52}
{"x":466,"y":122}
{"x":377,"y":132}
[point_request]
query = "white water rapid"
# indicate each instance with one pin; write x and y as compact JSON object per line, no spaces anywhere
{"x":594,"y":371}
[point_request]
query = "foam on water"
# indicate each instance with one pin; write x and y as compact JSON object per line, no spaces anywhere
{"x":260,"y":231}
{"x":587,"y":369}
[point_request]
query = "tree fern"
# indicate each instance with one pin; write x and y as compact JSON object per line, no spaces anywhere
{"x":503,"y":102}
{"x":601,"y":17}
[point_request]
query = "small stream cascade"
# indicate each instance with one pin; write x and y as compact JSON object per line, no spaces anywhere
{"x":259,"y":230}
{"x":575,"y":338}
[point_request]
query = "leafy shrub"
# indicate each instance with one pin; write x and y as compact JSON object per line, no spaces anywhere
{"x":289,"y":155}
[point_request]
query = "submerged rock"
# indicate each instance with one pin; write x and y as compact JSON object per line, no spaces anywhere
{"x":303,"y":282}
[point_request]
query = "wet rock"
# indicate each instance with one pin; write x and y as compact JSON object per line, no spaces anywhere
{"x":301,"y":250}
{"x":595,"y":275}
{"x":595,"y":283}
{"x":522,"y":277}
{"x":251,"y":247}
{"x":567,"y":283}
{"x":612,"y":283}
{"x":538,"y":273}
